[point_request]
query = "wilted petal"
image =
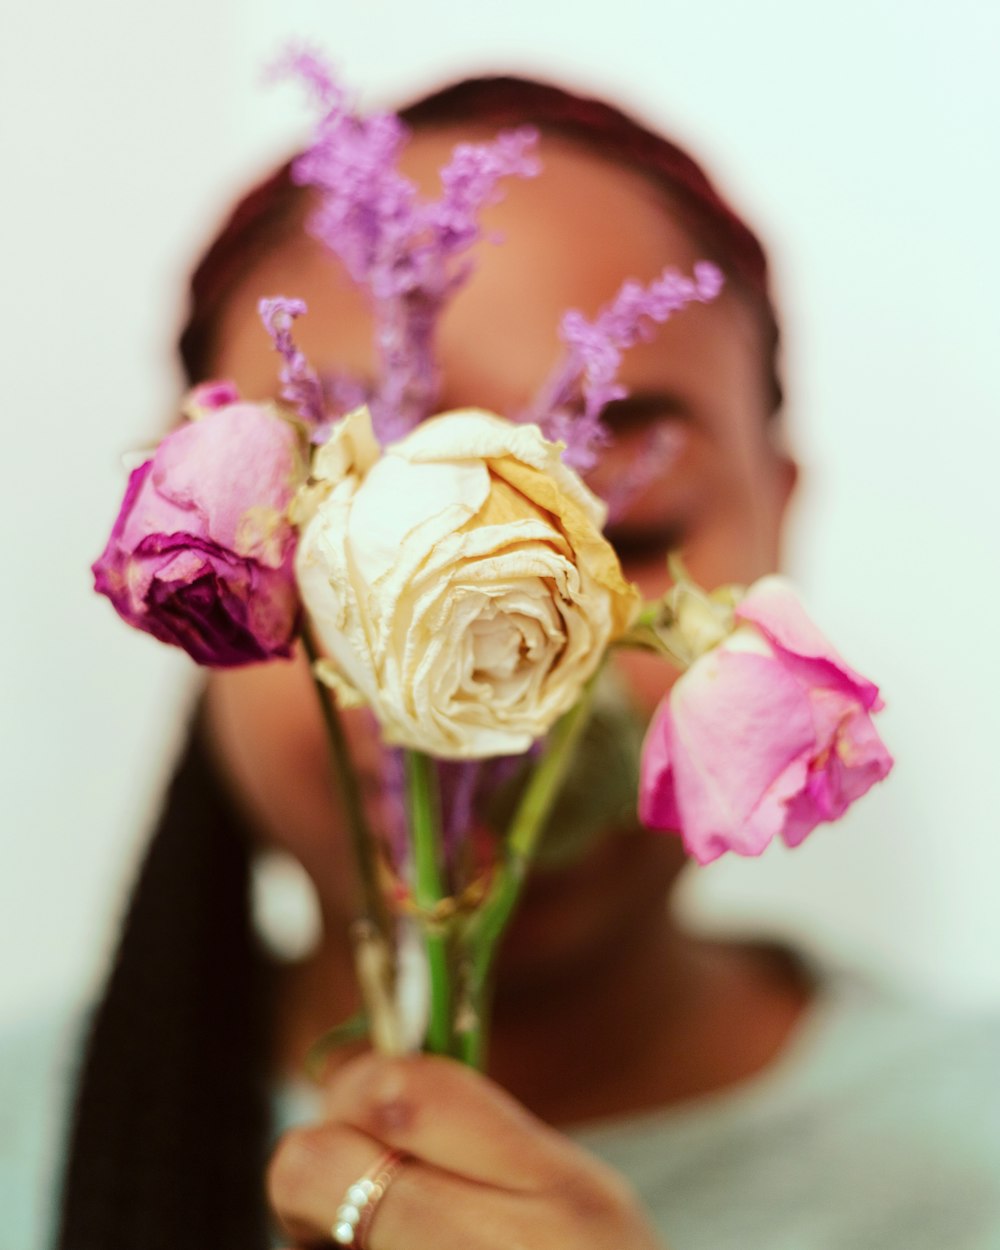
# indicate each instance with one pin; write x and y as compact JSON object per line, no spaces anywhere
{"x":657,"y":790}
{"x":462,"y":586}
{"x":773,"y":606}
{"x":200,"y":555}
{"x":236,"y":460}
{"x":850,"y":759}
{"x":740,"y":738}
{"x":207,"y":397}
{"x":767,"y":734}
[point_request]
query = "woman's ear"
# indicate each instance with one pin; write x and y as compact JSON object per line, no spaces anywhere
{"x":787,"y":479}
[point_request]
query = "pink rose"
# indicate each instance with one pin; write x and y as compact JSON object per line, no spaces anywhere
{"x":201,"y":554}
{"x":767,"y":733}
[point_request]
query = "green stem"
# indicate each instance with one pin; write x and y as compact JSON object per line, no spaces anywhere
{"x":362,"y":840}
{"x":489,"y":923}
{"x":428,"y":889}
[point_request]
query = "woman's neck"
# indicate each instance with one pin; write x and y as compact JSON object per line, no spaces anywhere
{"x":686,"y":1018}
{"x":668,"y":1019}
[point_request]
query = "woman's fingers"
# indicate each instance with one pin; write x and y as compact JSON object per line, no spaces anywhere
{"x":451,"y":1117}
{"x":310,"y":1174}
{"x":479,"y":1172}
{"x":422,"y":1208}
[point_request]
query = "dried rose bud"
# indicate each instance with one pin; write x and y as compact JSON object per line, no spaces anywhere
{"x":202,"y":553}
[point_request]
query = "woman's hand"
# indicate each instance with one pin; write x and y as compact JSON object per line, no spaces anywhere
{"x":480,"y":1172}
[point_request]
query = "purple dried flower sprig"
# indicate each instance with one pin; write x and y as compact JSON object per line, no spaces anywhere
{"x":408,"y":254}
{"x":300,"y":384}
{"x":569,"y":405}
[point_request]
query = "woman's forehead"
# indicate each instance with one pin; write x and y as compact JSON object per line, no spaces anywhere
{"x":566,"y":239}
{"x":584,"y":221}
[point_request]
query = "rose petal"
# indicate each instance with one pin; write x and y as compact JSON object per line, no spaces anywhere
{"x":201,"y":552}
{"x":739,"y":738}
{"x":773,"y":606}
{"x":850,"y":760}
{"x":233,"y":460}
{"x":461,"y":590}
{"x":657,"y":792}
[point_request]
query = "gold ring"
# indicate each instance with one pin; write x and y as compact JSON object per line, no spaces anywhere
{"x":357,"y":1209}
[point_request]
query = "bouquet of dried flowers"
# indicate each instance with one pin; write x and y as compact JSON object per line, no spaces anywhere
{"x":448,"y":571}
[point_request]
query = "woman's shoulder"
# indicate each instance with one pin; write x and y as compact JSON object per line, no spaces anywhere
{"x":38,"y":1060}
{"x":881,"y":1118}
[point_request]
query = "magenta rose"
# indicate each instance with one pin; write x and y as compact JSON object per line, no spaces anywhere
{"x":768,"y":733}
{"x":201,"y":554}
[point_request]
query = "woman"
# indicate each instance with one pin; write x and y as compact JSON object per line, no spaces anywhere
{"x":607,"y":1014}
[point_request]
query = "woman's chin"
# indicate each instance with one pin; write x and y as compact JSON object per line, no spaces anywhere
{"x":573,"y":919}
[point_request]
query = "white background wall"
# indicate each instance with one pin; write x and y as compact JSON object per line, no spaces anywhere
{"x":861,"y":139}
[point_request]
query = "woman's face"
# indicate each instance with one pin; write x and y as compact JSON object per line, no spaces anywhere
{"x":570,"y":237}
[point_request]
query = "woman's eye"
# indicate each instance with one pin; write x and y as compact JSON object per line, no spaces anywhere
{"x":644,"y":544}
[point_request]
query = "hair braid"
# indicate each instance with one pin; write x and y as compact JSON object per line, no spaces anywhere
{"x":168,"y":1143}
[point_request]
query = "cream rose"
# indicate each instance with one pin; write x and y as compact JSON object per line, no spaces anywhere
{"x":458,"y":581}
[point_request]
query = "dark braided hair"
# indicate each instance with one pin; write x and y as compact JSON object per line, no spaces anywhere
{"x":171,"y":1122}
{"x":169,"y":1138}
